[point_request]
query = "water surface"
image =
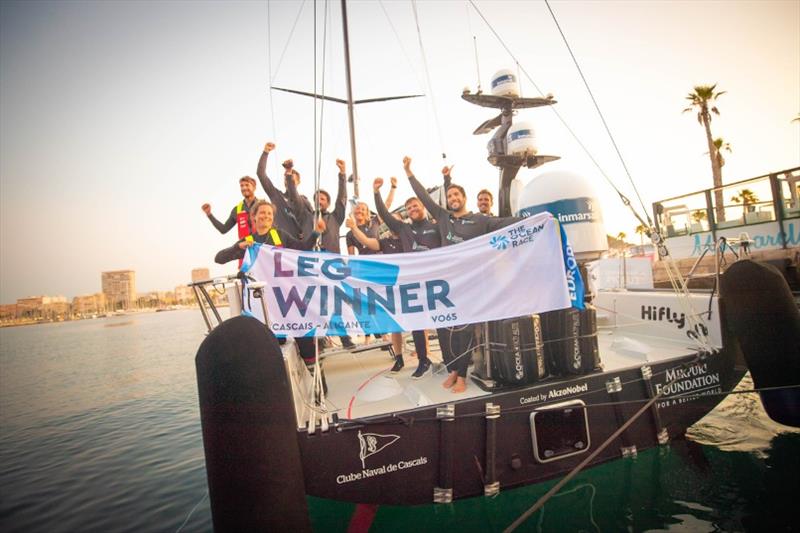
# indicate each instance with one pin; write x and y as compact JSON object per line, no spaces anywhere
{"x":100,"y":431}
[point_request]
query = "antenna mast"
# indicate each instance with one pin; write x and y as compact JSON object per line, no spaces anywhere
{"x":350,"y":98}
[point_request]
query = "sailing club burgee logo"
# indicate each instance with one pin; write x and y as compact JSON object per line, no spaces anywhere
{"x":372,"y":443}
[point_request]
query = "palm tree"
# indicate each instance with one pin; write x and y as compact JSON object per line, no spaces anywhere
{"x":703,"y":97}
{"x":641,"y":229}
{"x":720,"y":144}
{"x":745,"y":197}
{"x":699,"y":215}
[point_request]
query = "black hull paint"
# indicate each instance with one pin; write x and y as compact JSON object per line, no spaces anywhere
{"x":430,"y":452}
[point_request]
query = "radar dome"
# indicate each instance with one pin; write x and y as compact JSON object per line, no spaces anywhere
{"x":571,"y":198}
{"x":505,"y":83}
{"x":521,"y":140}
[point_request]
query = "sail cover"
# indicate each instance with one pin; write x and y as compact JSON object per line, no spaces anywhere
{"x":518,"y":270}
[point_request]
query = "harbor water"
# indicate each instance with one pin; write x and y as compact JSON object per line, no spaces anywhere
{"x":100,"y":431}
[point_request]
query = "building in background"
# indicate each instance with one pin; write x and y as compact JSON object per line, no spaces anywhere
{"x":43,"y":307}
{"x":184,"y":295}
{"x":119,"y":288}
{"x":156,"y":300}
{"x":8,"y":312}
{"x":200,"y":274}
{"x":89,"y":304}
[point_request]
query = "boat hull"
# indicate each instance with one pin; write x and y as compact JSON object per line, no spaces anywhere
{"x":433,"y":454}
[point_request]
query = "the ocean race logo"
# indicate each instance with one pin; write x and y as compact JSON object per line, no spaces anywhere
{"x":521,"y":234}
{"x":499,"y":242}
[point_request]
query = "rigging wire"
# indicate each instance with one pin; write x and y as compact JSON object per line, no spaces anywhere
{"x":673,"y":272}
{"x":322,"y":104}
{"x":420,"y":83}
{"x":315,"y":99}
{"x":428,"y":78}
{"x":289,"y":40}
{"x":599,"y":112}
{"x":475,"y":46}
{"x":586,"y":151}
{"x":269,"y":72}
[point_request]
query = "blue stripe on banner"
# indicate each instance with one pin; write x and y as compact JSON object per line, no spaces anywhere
{"x":250,"y":255}
{"x":573,"y":273}
{"x":379,"y":322}
{"x":380,"y":273}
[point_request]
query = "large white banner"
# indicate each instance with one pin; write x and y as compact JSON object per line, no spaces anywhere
{"x":515,"y":271}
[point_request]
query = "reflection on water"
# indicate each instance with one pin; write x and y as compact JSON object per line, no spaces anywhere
{"x":118,"y":324}
{"x":100,"y":431}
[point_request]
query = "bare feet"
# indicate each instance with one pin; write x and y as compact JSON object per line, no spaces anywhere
{"x":450,"y":381}
{"x":460,"y":386}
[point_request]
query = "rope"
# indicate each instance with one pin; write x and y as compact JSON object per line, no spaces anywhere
{"x":192,"y":512}
{"x":676,"y":280}
{"x":592,"y":492}
{"x":475,"y":45}
{"x":526,"y":410}
{"x":428,"y":79}
{"x":575,"y":471}
{"x":291,"y":33}
{"x":597,"y":108}
{"x":586,"y":151}
{"x":552,"y":492}
{"x":322,"y":104}
{"x":400,"y":43}
{"x":269,"y":73}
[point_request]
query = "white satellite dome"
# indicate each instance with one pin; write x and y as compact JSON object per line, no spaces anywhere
{"x":571,"y":198}
{"x":505,"y":83}
{"x":521,"y":140}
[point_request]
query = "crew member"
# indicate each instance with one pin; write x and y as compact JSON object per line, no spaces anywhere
{"x":367,"y":222}
{"x":456,"y":224}
{"x":420,"y":235}
{"x":333,"y":223}
{"x":333,"y":219}
{"x":485,"y":202}
{"x":265,"y":233}
{"x":286,"y":204}
{"x":240,"y":214}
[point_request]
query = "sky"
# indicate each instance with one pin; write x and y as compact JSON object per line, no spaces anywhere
{"x":119,"y":119}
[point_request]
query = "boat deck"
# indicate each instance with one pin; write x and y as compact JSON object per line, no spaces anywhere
{"x":360,"y":384}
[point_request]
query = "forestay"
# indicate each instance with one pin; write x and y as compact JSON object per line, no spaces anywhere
{"x":518,"y":270}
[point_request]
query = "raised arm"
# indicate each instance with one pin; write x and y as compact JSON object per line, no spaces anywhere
{"x":261,"y":172}
{"x":390,"y":196}
{"x":370,"y":242}
{"x":446,"y":177}
{"x":341,"y":194}
{"x":435,"y":210}
{"x":221,"y":227}
{"x":383,"y":212}
{"x":291,"y":187}
{"x":447,"y":180}
{"x":300,"y":206}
